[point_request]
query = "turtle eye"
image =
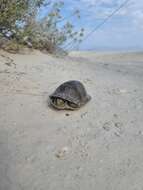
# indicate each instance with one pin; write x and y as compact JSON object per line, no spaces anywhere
{"x":72,"y":105}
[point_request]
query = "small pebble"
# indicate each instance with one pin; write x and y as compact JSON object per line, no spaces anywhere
{"x":67,"y":114}
{"x":62,"y":153}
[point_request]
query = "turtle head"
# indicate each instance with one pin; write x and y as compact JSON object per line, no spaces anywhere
{"x":62,"y":104}
{"x":58,"y":103}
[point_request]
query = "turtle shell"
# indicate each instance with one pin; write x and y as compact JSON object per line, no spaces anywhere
{"x":72,"y":91}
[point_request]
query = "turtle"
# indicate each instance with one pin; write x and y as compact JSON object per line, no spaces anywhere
{"x":70,"y":95}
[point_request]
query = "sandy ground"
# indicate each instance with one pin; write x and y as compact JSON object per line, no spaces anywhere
{"x":98,"y":147}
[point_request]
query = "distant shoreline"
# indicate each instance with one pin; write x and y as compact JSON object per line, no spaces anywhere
{"x":107,"y":50}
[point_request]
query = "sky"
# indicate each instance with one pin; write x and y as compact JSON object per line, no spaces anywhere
{"x":124,"y":31}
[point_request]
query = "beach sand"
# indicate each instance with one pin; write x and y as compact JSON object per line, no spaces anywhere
{"x":99,"y":146}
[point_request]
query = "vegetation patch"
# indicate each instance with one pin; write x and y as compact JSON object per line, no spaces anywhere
{"x":23,"y":24}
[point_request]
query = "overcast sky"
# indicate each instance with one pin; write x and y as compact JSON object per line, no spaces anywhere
{"x":124,"y":31}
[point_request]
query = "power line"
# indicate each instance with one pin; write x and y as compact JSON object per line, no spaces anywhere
{"x":103,"y":22}
{"x":106,"y":19}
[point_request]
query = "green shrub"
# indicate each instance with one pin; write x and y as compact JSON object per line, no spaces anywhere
{"x":21,"y":25}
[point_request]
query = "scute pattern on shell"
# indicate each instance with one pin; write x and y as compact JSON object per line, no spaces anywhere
{"x":72,"y":91}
